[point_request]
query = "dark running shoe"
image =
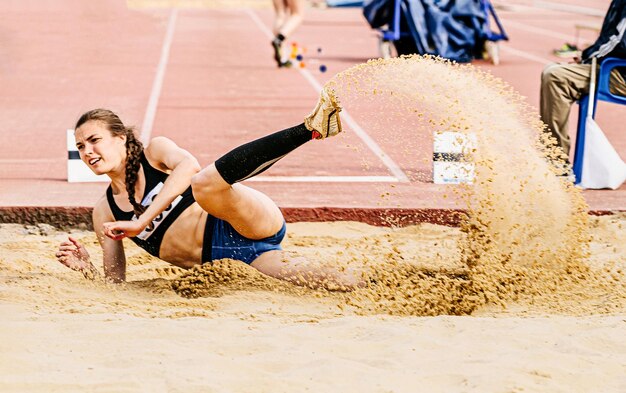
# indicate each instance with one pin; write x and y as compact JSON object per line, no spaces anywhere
{"x":276,"y":44}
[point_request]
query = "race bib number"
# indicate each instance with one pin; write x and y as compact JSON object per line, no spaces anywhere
{"x":147,"y":201}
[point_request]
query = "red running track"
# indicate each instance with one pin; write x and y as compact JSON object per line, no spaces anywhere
{"x":205,"y":78}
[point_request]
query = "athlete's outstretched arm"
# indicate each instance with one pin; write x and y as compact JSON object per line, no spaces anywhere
{"x":165,"y":155}
{"x":113,"y":257}
{"x":74,"y":255}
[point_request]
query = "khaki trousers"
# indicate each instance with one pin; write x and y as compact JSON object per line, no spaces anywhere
{"x":561,"y":85}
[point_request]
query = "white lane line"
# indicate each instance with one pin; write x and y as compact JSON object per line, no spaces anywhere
{"x":540,"y":31}
{"x":38,"y":161}
{"x":148,"y":119}
{"x":369,"y":142}
{"x":546,"y":5}
{"x":575,"y":9}
{"x":526,"y":55}
{"x":326,"y":179}
{"x":361,"y":133}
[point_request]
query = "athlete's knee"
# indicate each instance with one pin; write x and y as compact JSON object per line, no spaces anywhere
{"x":208,"y":180}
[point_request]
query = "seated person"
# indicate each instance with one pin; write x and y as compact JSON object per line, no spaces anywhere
{"x":562,"y":84}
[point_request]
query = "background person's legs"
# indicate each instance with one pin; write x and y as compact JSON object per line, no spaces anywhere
{"x":280,"y":15}
{"x":294,"y":19}
{"x":288,"y":16}
{"x":561,"y":85}
{"x":617,"y":84}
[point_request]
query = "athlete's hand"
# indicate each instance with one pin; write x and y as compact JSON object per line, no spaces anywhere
{"x":120,"y":229}
{"x":73,"y":255}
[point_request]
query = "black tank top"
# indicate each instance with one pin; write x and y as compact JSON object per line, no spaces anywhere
{"x":150,"y":239}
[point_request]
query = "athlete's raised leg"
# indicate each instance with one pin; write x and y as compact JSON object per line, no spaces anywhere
{"x":250,"y":212}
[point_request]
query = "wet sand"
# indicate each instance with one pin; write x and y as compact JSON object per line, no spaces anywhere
{"x":246,"y":332}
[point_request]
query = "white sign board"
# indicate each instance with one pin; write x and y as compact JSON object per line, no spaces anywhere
{"x":450,"y":163}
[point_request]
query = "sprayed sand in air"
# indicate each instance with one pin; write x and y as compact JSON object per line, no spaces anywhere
{"x":525,"y":233}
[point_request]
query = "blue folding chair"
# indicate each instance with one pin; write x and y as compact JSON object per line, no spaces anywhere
{"x":602,"y":94}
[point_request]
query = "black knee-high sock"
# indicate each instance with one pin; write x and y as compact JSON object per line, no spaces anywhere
{"x":255,"y":157}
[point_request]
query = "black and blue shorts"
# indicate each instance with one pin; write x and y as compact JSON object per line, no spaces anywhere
{"x":226,"y":242}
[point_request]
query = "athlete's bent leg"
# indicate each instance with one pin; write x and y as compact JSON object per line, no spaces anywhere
{"x":301,"y":271}
{"x":251,"y":213}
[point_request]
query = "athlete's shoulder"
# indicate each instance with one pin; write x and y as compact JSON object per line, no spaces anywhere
{"x":159,"y":147}
{"x":102,"y":211}
{"x":160,"y":142}
{"x":165,"y":154}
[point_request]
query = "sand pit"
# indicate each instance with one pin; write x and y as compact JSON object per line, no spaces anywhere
{"x":246,"y":332}
{"x":528,"y":294}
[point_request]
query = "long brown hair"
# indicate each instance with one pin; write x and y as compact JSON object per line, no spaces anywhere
{"x":134,"y":148}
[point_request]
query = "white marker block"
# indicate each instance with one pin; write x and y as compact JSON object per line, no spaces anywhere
{"x":77,"y":170}
{"x":450,"y":163}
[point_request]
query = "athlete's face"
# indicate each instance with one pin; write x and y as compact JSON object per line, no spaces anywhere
{"x":102,"y":151}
